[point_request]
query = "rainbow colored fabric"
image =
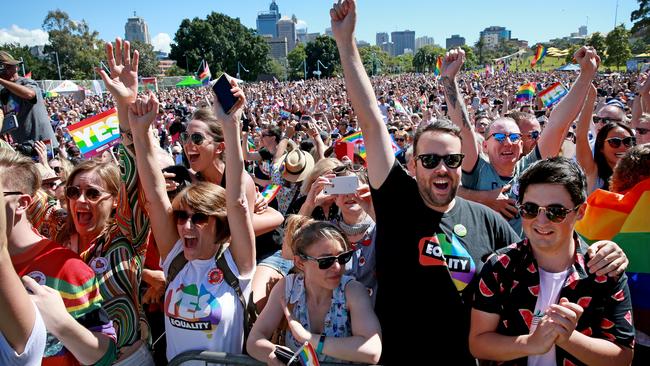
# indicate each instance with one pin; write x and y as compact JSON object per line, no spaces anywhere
{"x":438,"y":67}
{"x":270,"y":192}
{"x":624,"y":219}
{"x":360,"y":147}
{"x":526,"y":92}
{"x":539,"y":55}
{"x":306,"y":355}
{"x":205,"y":75}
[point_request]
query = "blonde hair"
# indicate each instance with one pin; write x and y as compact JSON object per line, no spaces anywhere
{"x":19,"y":173}
{"x":314,"y":231}
{"x":322,"y":167}
{"x":207,"y":198}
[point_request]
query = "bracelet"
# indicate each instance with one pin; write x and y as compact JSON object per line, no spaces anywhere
{"x":321,"y":343}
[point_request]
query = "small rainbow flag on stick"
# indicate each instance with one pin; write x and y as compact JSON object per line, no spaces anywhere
{"x":357,"y":139}
{"x":306,"y":355}
{"x":624,"y":219}
{"x":553,"y":94}
{"x":526,"y":92}
{"x":539,"y":55}
{"x":270,"y":192}
{"x":251,"y":144}
{"x":205,"y":75}
{"x":438,"y":66}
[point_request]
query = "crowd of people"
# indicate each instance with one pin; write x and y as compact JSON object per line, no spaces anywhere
{"x":375,"y":220}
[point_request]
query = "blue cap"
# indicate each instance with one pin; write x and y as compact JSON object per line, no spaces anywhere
{"x":616,"y":103}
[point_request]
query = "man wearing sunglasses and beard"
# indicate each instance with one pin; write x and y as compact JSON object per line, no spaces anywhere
{"x":536,"y":302}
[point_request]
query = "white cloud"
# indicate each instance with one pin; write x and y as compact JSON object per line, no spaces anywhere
{"x":301,"y":24}
{"x":24,"y":37}
{"x":161,"y":42}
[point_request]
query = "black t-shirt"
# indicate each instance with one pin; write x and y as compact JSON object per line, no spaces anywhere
{"x":413,"y":244}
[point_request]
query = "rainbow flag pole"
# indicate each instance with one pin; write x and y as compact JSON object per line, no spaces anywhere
{"x":438,"y":67}
{"x":539,"y":55}
{"x":306,"y":355}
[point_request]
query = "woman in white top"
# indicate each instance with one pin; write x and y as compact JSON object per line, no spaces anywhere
{"x":202,"y":312}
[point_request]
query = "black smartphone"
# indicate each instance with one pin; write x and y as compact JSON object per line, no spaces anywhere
{"x":284,"y":355}
{"x":222,"y":90}
{"x":9,"y":123}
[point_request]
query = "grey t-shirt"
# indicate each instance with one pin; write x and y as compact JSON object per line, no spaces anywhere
{"x":485,"y":178}
{"x":33,"y":121}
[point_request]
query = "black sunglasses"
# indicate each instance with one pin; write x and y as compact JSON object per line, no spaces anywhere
{"x":92,"y":194}
{"x":51,"y":185}
{"x":354,"y":168}
{"x":197,"y":218}
{"x":195,"y":137}
{"x":533,"y":135}
{"x":430,"y":161}
{"x":570,"y":135}
{"x":57,"y":169}
{"x":615,"y":142}
{"x":327,"y":262}
{"x":11,"y":193}
{"x":401,"y":139}
{"x":642,"y":131}
{"x":605,"y":120}
{"x":501,"y":137}
{"x":555,"y":213}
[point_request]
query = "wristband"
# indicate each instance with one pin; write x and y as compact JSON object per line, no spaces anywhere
{"x":321,"y":343}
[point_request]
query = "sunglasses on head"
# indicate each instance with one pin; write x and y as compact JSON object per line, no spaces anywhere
{"x":605,"y":120}
{"x":555,"y":213}
{"x":327,"y":262}
{"x":197,"y":218}
{"x":501,"y":137}
{"x":615,"y":142}
{"x":195,"y":137}
{"x":642,"y":131}
{"x":430,"y":161}
{"x":92,"y":194}
{"x":354,"y":168}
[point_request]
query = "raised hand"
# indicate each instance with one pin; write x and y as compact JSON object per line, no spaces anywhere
{"x":344,"y":18}
{"x":142,"y":113}
{"x":452,"y":62}
{"x":588,"y":60}
{"x":123,"y":80}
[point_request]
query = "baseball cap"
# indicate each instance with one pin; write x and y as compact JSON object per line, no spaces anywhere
{"x":616,"y":103}
{"x":6,"y":58}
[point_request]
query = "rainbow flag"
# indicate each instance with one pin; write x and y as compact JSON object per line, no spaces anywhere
{"x":399,"y":108}
{"x":526,"y":92}
{"x":624,"y":219}
{"x":205,"y":75}
{"x":553,"y":94}
{"x":539,"y":55}
{"x":270,"y":192}
{"x":306,"y":355}
{"x":357,"y":139}
{"x":438,"y":67}
{"x":250,"y":144}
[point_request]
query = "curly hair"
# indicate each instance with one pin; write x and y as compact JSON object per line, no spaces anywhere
{"x":633,"y":167}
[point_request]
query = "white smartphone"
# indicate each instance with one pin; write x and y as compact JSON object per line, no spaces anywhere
{"x":343,"y":185}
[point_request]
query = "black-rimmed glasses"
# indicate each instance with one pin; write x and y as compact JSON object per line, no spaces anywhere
{"x":430,"y":161}
{"x":327,"y":262}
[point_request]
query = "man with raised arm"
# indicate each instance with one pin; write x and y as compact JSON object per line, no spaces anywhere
{"x":437,"y":245}
{"x":503,"y":139}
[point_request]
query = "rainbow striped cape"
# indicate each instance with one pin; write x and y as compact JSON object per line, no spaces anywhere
{"x":624,"y":219}
{"x":539,"y":55}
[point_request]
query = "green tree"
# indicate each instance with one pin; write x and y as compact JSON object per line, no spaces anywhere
{"x":479,"y":46}
{"x":278,"y":70}
{"x":618,"y":47}
{"x":323,"y":48}
{"x":425,"y":59}
{"x":374,"y":59}
{"x":40,"y":69}
{"x":403,"y":63}
{"x":223,"y":42}
{"x":638,"y":46}
{"x":471,"y":61}
{"x":296,"y":58}
{"x":79,"y":48}
{"x":572,"y":50}
{"x":641,"y":19}
{"x":148,"y":65}
{"x":175,"y":70}
{"x":597,"y":41}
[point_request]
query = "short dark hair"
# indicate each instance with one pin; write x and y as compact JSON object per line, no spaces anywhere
{"x":604,"y":170}
{"x":557,"y":170}
{"x":275,"y":132}
{"x":441,"y":125}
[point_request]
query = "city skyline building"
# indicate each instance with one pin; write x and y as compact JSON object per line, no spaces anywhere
{"x":454,"y":41}
{"x":136,"y":29}
{"x":287,"y":29}
{"x":402,"y":40}
{"x":423,"y":41}
{"x":267,"y":21}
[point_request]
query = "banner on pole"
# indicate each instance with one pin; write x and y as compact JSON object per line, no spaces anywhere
{"x":96,"y":134}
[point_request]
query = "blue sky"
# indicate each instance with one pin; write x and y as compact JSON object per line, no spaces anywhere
{"x":535,"y":21}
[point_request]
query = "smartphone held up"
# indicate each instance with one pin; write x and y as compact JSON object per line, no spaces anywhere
{"x":221,"y":89}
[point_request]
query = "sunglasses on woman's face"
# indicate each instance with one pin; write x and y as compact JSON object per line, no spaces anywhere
{"x":195,"y":137}
{"x":197,"y":218}
{"x":327,"y":262}
{"x":354,"y":168}
{"x":555,"y":213}
{"x":642,"y":131}
{"x":92,"y":194}
{"x":615,"y":142}
{"x":430,"y":161}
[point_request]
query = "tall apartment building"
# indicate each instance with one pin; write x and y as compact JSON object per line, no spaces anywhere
{"x":266,"y":21}
{"x":402,"y":40}
{"x":136,"y":29}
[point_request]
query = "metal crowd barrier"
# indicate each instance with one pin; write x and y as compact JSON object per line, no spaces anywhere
{"x":223,"y":358}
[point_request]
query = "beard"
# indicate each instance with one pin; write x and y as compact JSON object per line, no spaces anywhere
{"x":431,"y":199}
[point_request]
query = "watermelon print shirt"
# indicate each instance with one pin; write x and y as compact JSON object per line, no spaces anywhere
{"x":117,"y":255}
{"x":509,"y":286}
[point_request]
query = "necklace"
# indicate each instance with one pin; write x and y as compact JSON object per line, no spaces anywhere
{"x":355,"y":229}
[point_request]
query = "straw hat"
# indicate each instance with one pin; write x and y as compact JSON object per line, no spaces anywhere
{"x":297,"y":165}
